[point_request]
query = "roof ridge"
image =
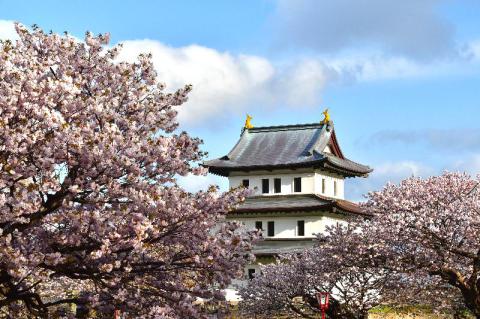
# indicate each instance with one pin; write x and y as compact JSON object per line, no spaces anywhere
{"x":286,"y":127}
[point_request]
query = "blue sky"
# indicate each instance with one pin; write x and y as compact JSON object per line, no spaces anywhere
{"x":401,"y":78}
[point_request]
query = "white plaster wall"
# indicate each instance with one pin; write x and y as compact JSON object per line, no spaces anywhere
{"x":308,"y":181}
{"x":231,"y":293}
{"x":311,"y":183}
{"x":329,"y":184}
{"x":286,"y":227}
{"x":251,"y":266}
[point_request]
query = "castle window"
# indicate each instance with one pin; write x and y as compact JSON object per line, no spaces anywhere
{"x":265,"y":186}
{"x":251,"y":273}
{"x":297,"y":184}
{"x":246,"y":183}
{"x":323,"y":185}
{"x":258,"y":225}
{"x":334,"y":188}
{"x":271,"y":229}
{"x":277,"y":185}
{"x":300,"y":228}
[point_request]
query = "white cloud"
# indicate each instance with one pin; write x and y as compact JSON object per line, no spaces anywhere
{"x":374,"y":67}
{"x":396,"y":171}
{"x":389,"y":172}
{"x":302,"y":82}
{"x":438,"y":139}
{"x":472,"y":50}
{"x":410,"y":27}
{"x":195,"y":183}
{"x":226,"y":83}
{"x":469,"y":164}
{"x":7,"y":30}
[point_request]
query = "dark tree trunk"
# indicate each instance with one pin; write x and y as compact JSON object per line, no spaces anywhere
{"x":471,"y":298}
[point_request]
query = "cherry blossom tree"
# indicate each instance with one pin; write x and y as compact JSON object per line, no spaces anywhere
{"x":429,"y":228}
{"x":91,"y":214}
{"x":420,"y":246}
{"x":349,"y":265}
{"x":337,"y":264}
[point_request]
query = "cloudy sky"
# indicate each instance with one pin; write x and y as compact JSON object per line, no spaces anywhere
{"x":401,"y":78}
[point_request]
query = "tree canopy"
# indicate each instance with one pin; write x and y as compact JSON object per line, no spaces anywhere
{"x":91,"y":213}
{"x":420,"y":246}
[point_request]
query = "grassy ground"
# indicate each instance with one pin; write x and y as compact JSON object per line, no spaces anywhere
{"x":417,"y":312}
{"x":380,"y":312}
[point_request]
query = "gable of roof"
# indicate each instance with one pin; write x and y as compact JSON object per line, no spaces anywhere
{"x":334,"y":146}
{"x":288,"y":146}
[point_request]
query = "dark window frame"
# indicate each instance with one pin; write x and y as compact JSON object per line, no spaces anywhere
{"x":246,"y":183}
{"x":257,"y":224}
{"x":251,"y":273}
{"x":277,"y":185}
{"x":324,"y":186}
{"x":297,"y":184}
{"x":300,"y":228}
{"x":270,"y":228}
{"x":265,"y":185}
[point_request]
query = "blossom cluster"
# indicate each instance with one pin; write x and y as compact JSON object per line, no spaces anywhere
{"x":418,"y":245}
{"x":90,"y":211}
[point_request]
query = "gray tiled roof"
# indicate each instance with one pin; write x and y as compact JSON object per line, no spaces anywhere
{"x":282,"y":202}
{"x":295,"y":203}
{"x":283,"y":147}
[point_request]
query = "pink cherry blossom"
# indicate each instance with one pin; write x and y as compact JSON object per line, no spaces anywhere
{"x":420,"y":245}
{"x":90,"y":211}
{"x":429,"y":229}
{"x":334,"y":265}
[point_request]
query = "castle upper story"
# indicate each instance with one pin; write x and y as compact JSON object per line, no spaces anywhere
{"x":290,"y":182}
{"x":287,"y":160}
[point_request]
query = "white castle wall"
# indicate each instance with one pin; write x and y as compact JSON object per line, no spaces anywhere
{"x":286,"y":227}
{"x":287,"y":182}
{"x":330,"y":179}
{"x":311,"y":182}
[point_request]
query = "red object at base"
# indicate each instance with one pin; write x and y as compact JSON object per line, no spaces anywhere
{"x":323,"y":301}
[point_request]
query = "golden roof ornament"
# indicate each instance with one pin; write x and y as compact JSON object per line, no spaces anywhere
{"x":326,"y":118}
{"x":248,"y":124}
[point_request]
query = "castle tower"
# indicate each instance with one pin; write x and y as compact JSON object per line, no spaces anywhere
{"x":297,"y":175}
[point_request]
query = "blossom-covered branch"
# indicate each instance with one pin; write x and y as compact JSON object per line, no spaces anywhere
{"x":90,"y":210}
{"x":419,"y":246}
{"x":337,"y":264}
{"x":429,"y":228}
